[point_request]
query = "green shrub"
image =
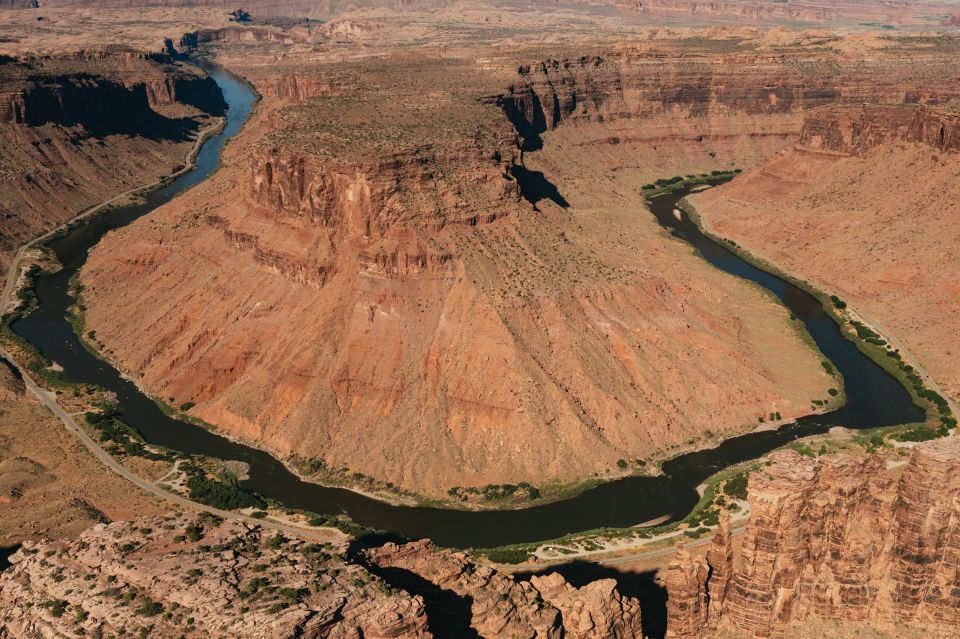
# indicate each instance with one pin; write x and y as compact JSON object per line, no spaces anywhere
{"x":149,"y":609}
{"x":184,"y":407}
{"x":919,"y":433}
{"x":507,"y":555}
{"x":736,"y":486}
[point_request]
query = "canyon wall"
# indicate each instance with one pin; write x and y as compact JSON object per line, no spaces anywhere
{"x":703,"y":95}
{"x":77,"y":128}
{"x":835,"y":538}
{"x":857,"y":130}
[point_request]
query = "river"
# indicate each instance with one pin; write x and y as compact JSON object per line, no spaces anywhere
{"x":874,"y":397}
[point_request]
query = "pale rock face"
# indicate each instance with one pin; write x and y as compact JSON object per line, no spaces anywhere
{"x":180,"y":575}
{"x":835,"y":538}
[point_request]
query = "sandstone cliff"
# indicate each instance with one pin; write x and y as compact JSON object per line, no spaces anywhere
{"x":834,"y":538}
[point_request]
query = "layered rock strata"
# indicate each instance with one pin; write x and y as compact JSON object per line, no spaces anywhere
{"x":545,"y":607}
{"x":834,"y":538}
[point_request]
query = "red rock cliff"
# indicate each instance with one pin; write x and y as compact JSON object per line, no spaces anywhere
{"x":838,"y":538}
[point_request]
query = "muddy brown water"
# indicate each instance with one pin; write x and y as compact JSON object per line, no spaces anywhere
{"x":874,"y":397}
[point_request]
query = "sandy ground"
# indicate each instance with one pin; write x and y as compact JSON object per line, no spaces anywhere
{"x":50,"y":485}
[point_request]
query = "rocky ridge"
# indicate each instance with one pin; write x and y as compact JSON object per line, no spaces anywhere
{"x":834,"y":538}
{"x":544,"y":607}
{"x":185,"y":575}
{"x":196,"y":576}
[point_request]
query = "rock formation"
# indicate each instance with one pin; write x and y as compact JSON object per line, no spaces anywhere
{"x":686,"y":583}
{"x":388,"y":299}
{"x":182,"y":575}
{"x":197,"y":576}
{"x":835,"y":538}
{"x":545,"y":607}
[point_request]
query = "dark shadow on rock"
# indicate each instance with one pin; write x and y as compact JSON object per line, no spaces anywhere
{"x":5,"y":552}
{"x":534,"y":186}
{"x":102,"y":107}
{"x":529,"y":129}
{"x":641,"y":585}
{"x":448,"y":614}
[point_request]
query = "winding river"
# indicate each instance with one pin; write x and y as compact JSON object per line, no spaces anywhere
{"x":874,"y":397}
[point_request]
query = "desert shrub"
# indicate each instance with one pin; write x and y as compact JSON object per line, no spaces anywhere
{"x":736,"y":486}
{"x":150,"y":609}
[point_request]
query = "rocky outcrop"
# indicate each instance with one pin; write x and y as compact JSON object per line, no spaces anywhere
{"x":687,"y":605}
{"x":236,"y":35}
{"x":856,"y":130}
{"x":183,"y":575}
{"x":546,"y":607}
{"x":835,"y":538}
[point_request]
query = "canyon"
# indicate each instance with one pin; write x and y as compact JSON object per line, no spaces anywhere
{"x":426,"y":272}
{"x":378,"y":271}
{"x":385,"y":292}
{"x":825,"y":201}
{"x":77,"y":128}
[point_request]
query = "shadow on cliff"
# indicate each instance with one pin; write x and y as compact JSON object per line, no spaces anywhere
{"x":104,"y":108}
{"x":529,"y":129}
{"x":641,"y":585}
{"x":534,"y":186}
{"x":448,"y":614}
{"x":5,"y":552}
